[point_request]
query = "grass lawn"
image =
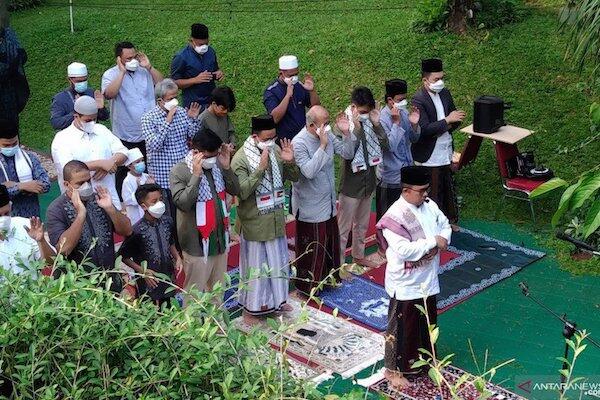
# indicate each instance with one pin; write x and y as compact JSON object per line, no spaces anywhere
{"x":343,"y":44}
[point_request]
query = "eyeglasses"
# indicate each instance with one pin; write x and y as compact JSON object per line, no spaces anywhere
{"x":420,"y":191}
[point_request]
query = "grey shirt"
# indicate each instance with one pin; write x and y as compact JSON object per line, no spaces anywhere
{"x":314,"y":195}
{"x":222,"y":126}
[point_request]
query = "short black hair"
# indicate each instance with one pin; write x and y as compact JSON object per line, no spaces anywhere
{"x":362,"y":96}
{"x":9,"y":128}
{"x":73,"y":167}
{"x":143,"y":190}
{"x":206,"y":140}
{"x":223,"y":96}
{"x":122,"y":45}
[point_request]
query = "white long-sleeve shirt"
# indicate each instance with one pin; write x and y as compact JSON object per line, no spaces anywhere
{"x":130,"y":185}
{"x":418,"y":282}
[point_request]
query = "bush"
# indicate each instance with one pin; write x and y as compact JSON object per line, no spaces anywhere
{"x":431,"y":15}
{"x":495,"y":13}
{"x":70,"y":339}
{"x":14,"y":5}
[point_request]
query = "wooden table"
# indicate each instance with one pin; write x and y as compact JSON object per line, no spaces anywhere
{"x":507,"y":135}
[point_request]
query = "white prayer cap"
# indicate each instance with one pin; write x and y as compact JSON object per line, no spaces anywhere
{"x":85,"y":105}
{"x":133,"y":155}
{"x":288,"y":62}
{"x":76,"y":70}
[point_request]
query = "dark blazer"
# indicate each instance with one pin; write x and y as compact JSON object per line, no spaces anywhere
{"x":431,"y":128}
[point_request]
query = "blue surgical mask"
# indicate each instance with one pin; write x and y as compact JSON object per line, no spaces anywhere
{"x":9,"y":151}
{"x":140,"y":167}
{"x":80,"y":87}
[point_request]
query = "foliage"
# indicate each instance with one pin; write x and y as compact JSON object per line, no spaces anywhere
{"x":577,"y":346}
{"x":428,"y":358}
{"x":68,"y":338}
{"x":15,"y":5}
{"x":431,"y":15}
{"x":579,"y":19}
{"x":495,"y":13}
{"x":582,"y":197}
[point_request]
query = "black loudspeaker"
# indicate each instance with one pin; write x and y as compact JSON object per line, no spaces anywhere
{"x":488,"y":114}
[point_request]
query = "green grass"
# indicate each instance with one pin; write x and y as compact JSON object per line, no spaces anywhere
{"x":522,"y":62}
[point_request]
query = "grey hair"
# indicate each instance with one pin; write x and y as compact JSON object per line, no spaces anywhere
{"x":164,"y":86}
{"x":309,"y":118}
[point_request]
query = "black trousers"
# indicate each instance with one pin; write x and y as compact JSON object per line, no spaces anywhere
{"x":122,"y":170}
{"x":384,"y":198}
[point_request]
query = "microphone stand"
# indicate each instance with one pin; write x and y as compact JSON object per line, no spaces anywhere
{"x":569,"y":329}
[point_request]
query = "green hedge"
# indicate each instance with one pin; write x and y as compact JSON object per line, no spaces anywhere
{"x":14,"y":5}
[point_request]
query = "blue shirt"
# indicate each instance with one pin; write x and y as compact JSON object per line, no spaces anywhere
{"x":135,"y":97}
{"x":188,"y":64}
{"x":63,"y":106}
{"x":24,"y":204}
{"x":166,"y":143}
{"x":294,"y":118}
{"x":400,"y":137}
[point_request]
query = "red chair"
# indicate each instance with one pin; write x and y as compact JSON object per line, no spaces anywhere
{"x":516,"y":187}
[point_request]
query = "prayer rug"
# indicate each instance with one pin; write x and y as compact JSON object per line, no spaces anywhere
{"x":423,"y":388}
{"x":320,"y":338}
{"x":474,"y":262}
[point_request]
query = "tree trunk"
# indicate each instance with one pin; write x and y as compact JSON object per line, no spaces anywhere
{"x":4,"y":14}
{"x":457,"y":19}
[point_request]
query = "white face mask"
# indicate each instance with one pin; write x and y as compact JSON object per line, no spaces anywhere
{"x":363,"y":117}
{"x":88,"y":127}
{"x":5,"y":223}
{"x":169,"y":105}
{"x":326,"y":128}
{"x":269,"y":144}
{"x":401,"y":105}
{"x":291,"y":79}
{"x":157,"y":210}
{"x":201,"y":49}
{"x":209,"y":163}
{"x":437,"y":86}
{"x":132,"y":65}
{"x":86,"y":191}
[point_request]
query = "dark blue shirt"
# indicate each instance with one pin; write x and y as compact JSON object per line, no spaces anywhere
{"x":63,"y":106}
{"x":294,"y":118}
{"x":188,"y":64}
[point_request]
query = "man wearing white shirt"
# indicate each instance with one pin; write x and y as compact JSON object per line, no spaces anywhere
{"x":92,"y":143}
{"x":22,"y":240}
{"x":434,"y":148}
{"x":129,"y":87}
{"x":412,"y":233}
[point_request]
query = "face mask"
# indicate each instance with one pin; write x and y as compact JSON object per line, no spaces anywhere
{"x":266,"y":145}
{"x":86,"y":191}
{"x":363,"y":117}
{"x":209,"y":163}
{"x":437,"y":86}
{"x":291,"y":79}
{"x":401,"y":105}
{"x":171,"y":104}
{"x":140,"y":167}
{"x":9,"y":151}
{"x":132,"y":65}
{"x":157,"y":210}
{"x":201,"y":49}
{"x":5,"y":223}
{"x":80,"y":87}
{"x":327,"y":129}
{"x":88,"y":127}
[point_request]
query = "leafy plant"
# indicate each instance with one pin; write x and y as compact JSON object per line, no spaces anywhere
{"x":436,"y":367}
{"x":431,"y":15}
{"x":581,"y":197}
{"x":495,"y":13}
{"x":14,"y":5}
{"x":577,"y":346}
{"x":579,"y":19}
{"x":70,"y":338}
